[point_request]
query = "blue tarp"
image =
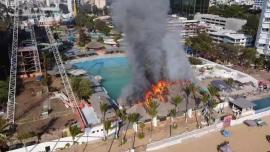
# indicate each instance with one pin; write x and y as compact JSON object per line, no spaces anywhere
{"x":39,"y":78}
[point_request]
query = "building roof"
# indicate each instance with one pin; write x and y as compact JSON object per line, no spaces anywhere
{"x":90,"y":115}
{"x":229,"y":33}
{"x":242,"y":103}
{"x":95,"y":45}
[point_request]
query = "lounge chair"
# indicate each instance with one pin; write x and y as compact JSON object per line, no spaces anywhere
{"x":250,"y":123}
{"x":260,"y":122}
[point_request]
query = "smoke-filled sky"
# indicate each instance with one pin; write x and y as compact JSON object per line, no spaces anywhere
{"x":153,"y":53}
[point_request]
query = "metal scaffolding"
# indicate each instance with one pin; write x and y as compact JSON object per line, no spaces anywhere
{"x":35,"y":53}
{"x":13,"y":67}
{"x":28,"y":60}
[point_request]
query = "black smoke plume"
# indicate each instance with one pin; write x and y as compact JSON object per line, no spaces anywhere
{"x":153,"y":53}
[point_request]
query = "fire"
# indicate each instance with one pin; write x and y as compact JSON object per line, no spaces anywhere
{"x":158,"y":92}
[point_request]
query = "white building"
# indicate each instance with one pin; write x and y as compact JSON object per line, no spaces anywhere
{"x":244,"y":2}
{"x":186,"y":28}
{"x":230,"y":37}
{"x":258,"y":4}
{"x":263,"y":34}
{"x":227,"y":23}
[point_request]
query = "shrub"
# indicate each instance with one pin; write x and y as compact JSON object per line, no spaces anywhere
{"x":141,"y":135}
{"x":194,"y":61}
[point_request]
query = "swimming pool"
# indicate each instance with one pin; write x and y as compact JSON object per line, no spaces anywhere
{"x":115,"y":71}
{"x":261,"y":103}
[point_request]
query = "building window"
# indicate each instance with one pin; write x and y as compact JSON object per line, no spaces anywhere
{"x":267,"y":19}
{"x":265,"y":29}
{"x":261,"y":45}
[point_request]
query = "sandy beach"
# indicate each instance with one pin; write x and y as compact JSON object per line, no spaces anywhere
{"x":243,"y":139}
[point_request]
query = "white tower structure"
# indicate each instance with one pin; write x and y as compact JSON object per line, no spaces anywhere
{"x":70,"y":5}
{"x":263,"y":33}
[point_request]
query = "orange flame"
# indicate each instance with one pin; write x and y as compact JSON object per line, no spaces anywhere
{"x":158,"y":91}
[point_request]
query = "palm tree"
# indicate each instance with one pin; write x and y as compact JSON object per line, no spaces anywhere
{"x":213,"y":91}
{"x":134,"y":118}
{"x":151,"y":109}
{"x":142,"y":126}
{"x":209,"y":105}
{"x":74,"y":131}
{"x":187,"y":91}
{"x":193,"y":90}
{"x":176,"y":101}
{"x":107,"y":126}
{"x":172,"y":115}
{"x":122,"y":116}
{"x":104,"y":107}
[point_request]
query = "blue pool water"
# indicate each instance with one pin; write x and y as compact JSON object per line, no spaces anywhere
{"x":262,"y":103}
{"x":115,"y":71}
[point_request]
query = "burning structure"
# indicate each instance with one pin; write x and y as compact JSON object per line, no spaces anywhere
{"x":155,"y":55}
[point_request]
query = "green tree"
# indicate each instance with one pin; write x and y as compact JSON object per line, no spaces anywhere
{"x":248,"y":56}
{"x":84,"y":20}
{"x":82,"y":87}
{"x":141,"y":134}
{"x":202,"y":44}
{"x":104,"y":107}
{"x":102,"y":27}
{"x":152,"y":110}
{"x":176,"y":101}
{"x":252,"y":25}
{"x":3,"y":92}
{"x":260,"y":62}
{"x":85,"y":90}
{"x":227,"y":53}
{"x":194,"y":61}
{"x":74,"y":131}
{"x":213,"y":91}
{"x":122,"y":116}
{"x":194,"y":90}
{"x":133,"y":118}
{"x":83,"y":38}
{"x":172,"y":115}
{"x":107,"y":126}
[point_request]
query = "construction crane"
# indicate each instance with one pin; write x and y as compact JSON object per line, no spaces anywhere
{"x":13,"y":67}
{"x":63,"y":74}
